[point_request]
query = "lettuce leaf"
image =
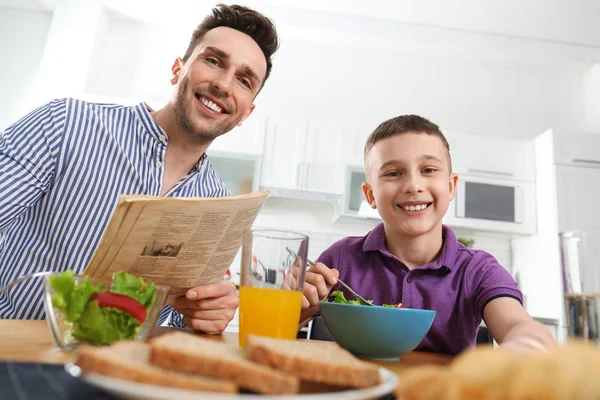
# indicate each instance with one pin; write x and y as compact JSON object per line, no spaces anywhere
{"x":338,"y":297}
{"x":105,"y":325}
{"x":72,"y":298}
{"x":134,"y":287}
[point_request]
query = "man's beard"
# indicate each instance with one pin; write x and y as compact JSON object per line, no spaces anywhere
{"x":183,"y":112}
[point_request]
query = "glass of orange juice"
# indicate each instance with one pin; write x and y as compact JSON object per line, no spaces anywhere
{"x":272,"y":277}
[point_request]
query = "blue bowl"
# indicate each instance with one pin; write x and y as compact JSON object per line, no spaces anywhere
{"x":376,"y":332}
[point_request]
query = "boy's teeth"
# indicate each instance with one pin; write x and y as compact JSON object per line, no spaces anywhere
{"x":210,"y":105}
{"x":418,"y":207}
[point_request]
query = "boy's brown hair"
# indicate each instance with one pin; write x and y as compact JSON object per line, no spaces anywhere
{"x":404,"y":124}
{"x":254,"y":24}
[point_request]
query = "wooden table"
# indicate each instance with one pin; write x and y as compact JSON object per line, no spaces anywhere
{"x":26,"y":340}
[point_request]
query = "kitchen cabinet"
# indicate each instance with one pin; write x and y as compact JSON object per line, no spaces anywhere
{"x":577,"y":187}
{"x":282,"y":163}
{"x":323,"y":167}
{"x":245,"y":139}
{"x":302,"y":155}
{"x":503,"y":158}
{"x":581,"y":149}
{"x":354,"y":146}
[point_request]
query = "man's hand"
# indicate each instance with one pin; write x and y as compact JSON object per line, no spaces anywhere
{"x":318,"y":281}
{"x":208,"y":308}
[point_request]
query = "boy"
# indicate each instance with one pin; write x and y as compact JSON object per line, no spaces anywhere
{"x":413,"y":259}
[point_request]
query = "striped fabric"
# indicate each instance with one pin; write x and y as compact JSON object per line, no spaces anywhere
{"x":62,"y":169}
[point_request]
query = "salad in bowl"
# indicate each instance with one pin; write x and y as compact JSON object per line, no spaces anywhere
{"x":80,"y":309}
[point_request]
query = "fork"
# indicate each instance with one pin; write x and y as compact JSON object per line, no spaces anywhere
{"x":24,"y":278}
{"x":344,"y":284}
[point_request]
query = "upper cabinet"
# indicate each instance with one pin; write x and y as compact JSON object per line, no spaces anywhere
{"x":576,"y":186}
{"x":583,"y":150}
{"x":324,"y":169}
{"x":577,"y":171}
{"x":302,"y":155}
{"x":493,"y":157}
{"x":245,"y":139}
{"x":283,"y":156}
{"x":353,"y":147}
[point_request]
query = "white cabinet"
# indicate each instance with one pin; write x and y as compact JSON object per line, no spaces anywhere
{"x":323,"y":167}
{"x":302,"y":155}
{"x":245,"y":139}
{"x":574,"y":149}
{"x":577,"y":190}
{"x":492,"y":156}
{"x":283,"y":157}
{"x":354,"y":146}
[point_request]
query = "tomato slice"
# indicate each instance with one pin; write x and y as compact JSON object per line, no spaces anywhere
{"x":400,"y":305}
{"x":122,"y":302}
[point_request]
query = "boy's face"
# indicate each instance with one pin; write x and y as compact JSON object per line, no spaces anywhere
{"x":410,"y":182}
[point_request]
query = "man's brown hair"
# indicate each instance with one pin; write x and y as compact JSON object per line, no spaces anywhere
{"x":406,"y":124}
{"x":243,"y":19}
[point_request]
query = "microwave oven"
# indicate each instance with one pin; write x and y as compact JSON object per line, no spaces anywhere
{"x":493,"y":204}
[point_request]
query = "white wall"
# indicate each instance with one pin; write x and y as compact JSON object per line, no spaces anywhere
{"x":22,"y":40}
{"x":466,"y":82}
{"x":351,"y":70}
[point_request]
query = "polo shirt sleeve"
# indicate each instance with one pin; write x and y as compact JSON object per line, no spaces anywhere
{"x":28,"y":152}
{"x":489,"y":280}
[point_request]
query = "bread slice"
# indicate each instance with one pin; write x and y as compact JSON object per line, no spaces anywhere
{"x":187,"y":352}
{"x":313,"y":360}
{"x":130,"y":360}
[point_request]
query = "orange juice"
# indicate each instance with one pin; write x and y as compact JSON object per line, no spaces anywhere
{"x":269,"y":312}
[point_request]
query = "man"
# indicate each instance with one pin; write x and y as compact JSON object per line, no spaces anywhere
{"x":63,"y":166}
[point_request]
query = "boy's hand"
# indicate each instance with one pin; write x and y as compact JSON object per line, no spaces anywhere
{"x":525,"y":345}
{"x":318,"y":281}
{"x":208,"y":308}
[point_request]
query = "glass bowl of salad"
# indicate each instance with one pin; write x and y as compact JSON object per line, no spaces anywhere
{"x":80,"y":309}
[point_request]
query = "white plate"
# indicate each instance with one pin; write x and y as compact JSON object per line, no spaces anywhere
{"x":140,"y":391}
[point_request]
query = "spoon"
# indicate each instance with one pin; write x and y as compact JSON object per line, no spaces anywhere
{"x":356,"y":295}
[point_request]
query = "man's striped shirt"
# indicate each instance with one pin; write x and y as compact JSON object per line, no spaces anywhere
{"x":62,"y":169}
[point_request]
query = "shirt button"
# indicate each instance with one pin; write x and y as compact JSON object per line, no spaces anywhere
{"x":162,"y":138}
{"x":159,"y":164}
{"x":408,"y":280}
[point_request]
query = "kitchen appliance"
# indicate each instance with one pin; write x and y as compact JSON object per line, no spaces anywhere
{"x":496,"y":204}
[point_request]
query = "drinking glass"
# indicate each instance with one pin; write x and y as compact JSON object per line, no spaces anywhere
{"x":580,"y":260}
{"x":271,"y":282}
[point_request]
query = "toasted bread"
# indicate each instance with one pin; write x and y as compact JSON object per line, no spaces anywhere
{"x":187,"y":352}
{"x":324,"y":362}
{"x":130,"y":361}
{"x":428,"y":382}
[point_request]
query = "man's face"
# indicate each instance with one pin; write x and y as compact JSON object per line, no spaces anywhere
{"x":410,"y":182}
{"x":216,"y":86}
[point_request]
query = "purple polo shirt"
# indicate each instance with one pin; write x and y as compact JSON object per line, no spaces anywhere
{"x":457,"y":285}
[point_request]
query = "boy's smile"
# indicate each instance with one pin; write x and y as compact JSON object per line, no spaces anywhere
{"x":410,"y":182}
{"x":415,"y":207}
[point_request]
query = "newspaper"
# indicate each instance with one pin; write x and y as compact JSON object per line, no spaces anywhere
{"x":178,"y":242}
